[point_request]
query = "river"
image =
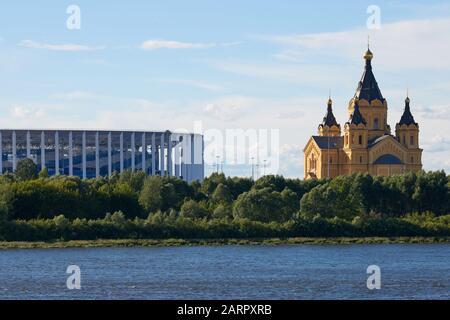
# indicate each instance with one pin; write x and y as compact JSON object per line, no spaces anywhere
{"x":409,"y":271}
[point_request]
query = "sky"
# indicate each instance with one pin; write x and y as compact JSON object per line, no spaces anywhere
{"x":263,"y":66}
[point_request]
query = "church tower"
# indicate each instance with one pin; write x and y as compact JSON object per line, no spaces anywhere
{"x":356,"y":135}
{"x":407,"y":133}
{"x":329,"y":126}
{"x":373,"y":106}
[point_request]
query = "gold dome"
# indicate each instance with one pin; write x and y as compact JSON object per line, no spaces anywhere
{"x":368,"y":55}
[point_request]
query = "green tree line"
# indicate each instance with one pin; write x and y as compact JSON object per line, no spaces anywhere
{"x":36,"y":206}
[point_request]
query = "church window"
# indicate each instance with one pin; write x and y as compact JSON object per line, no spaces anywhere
{"x":360,"y":139}
{"x":360,"y":159}
{"x":411,"y":140}
{"x":312,"y":162}
{"x":404,"y":139}
{"x":375,"y":123}
{"x":412,"y":159}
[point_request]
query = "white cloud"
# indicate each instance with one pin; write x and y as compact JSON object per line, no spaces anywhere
{"x":437,"y":143}
{"x":290,"y":114}
{"x":292,"y":73}
{"x":169,"y":44}
{"x":99,"y":62}
{"x":74,"y":95}
{"x":229,"y":108}
{"x":193,"y":83}
{"x":57,"y":47}
{"x":155,"y":44}
{"x":22,"y":112}
{"x":412,"y":44}
{"x":441,"y":112}
{"x":291,"y":160}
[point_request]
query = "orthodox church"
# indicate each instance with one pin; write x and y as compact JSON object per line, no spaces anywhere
{"x":366,"y":143}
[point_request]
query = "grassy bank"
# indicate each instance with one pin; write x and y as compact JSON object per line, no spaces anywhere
{"x":105,"y":243}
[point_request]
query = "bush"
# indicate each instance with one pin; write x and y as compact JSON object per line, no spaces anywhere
{"x":262,"y":205}
{"x":192,"y":209}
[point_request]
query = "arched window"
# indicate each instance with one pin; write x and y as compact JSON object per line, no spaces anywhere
{"x":360,"y":159}
{"x":412,"y":159}
{"x":360,"y":139}
{"x":376,"y":124}
{"x":411,"y":140}
{"x":312,"y":162}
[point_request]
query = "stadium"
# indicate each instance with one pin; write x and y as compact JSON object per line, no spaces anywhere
{"x":95,"y":153}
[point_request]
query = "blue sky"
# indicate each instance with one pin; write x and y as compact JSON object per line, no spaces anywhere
{"x":229,"y":64}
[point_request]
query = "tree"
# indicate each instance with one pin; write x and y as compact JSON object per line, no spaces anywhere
{"x":150,"y":197}
{"x":192,"y":209}
{"x":123,"y":198}
{"x":262,"y":205}
{"x":276,"y":182}
{"x":26,"y":169}
{"x":163,"y":193}
{"x":44,"y":173}
{"x":3,"y":212}
{"x":210,"y":183}
{"x":222,"y":194}
{"x":336,"y":198}
{"x":222,"y":212}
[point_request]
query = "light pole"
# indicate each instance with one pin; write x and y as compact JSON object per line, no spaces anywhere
{"x":251,"y":164}
{"x":257,"y":171}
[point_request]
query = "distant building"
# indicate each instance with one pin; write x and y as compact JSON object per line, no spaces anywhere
{"x":366,"y":143}
{"x":91,"y":153}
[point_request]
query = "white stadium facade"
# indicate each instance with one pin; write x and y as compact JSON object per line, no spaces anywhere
{"x":94,"y":153}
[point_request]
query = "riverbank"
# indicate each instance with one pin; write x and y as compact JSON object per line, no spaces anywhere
{"x":105,"y":243}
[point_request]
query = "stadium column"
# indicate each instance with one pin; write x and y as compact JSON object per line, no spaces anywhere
{"x":153,"y":171}
{"x":192,"y":166}
{"x":182,"y":156}
{"x":109,"y":155}
{"x":176,"y":156}
{"x":144,"y":151}
{"x":133,"y":152}
{"x":14,"y":150}
{"x":161,"y":155}
{"x":169,"y":155}
{"x":1,"y":153}
{"x":43,"y":150}
{"x":186,"y":157}
{"x":56,"y":152}
{"x":83,"y":151}
{"x":97,"y":155}
{"x":121,"y":152}
{"x":70,"y":153}
{"x":28,"y":145}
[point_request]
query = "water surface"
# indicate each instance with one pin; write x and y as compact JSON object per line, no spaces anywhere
{"x":229,"y":272}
